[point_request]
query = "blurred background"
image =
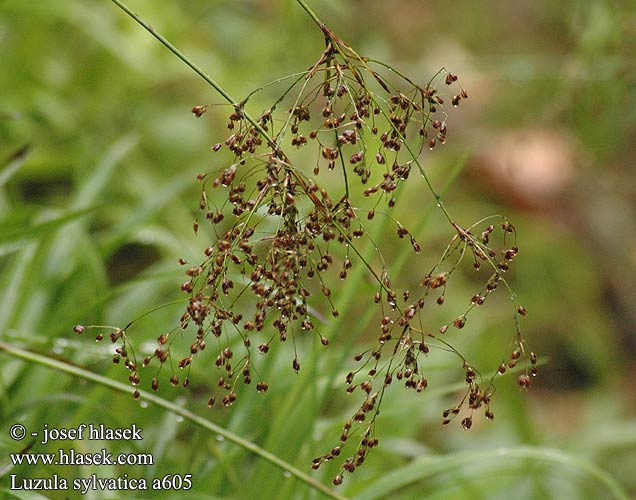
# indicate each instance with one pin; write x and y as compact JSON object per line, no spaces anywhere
{"x":98,"y":157}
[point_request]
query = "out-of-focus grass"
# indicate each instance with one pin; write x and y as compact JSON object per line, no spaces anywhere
{"x":95,"y":214}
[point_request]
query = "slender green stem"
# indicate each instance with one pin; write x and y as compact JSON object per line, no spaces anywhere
{"x":196,"y":69}
{"x":172,"y":407}
{"x":238,"y":105}
{"x":309,"y":11}
{"x":175,"y":51}
{"x":154,"y":309}
{"x":298,"y":76}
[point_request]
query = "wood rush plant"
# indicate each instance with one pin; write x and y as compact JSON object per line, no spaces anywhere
{"x":285,"y":239}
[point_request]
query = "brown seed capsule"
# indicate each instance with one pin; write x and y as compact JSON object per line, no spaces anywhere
{"x":199,"y":110}
{"x":228,"y":399}
{"x":524,"y":381}
{"x":79,"y":329}
{"x":459,"y":322}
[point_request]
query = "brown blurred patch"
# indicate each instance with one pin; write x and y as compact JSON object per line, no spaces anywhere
{"x":528,"y":169}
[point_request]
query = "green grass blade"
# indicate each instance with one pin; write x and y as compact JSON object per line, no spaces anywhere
{"x":430,"y":466}
{"x":174,"y":408}
{"x":10,"y":233}
{"x":13,"y":280}
{"x":16,"y":160}
{"x":98,"y":180}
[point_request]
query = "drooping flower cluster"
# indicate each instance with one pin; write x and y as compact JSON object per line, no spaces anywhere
{"x":280,"y":239}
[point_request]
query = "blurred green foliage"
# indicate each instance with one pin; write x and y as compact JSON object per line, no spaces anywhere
{"x":97,"y":209}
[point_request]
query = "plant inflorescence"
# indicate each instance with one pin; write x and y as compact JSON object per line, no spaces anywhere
{"x":284,"y":238}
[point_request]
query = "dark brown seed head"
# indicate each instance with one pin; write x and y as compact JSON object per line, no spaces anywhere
{"x":459,"y":322}
{"x":199,"y":110}
{"x":524,"y":381}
